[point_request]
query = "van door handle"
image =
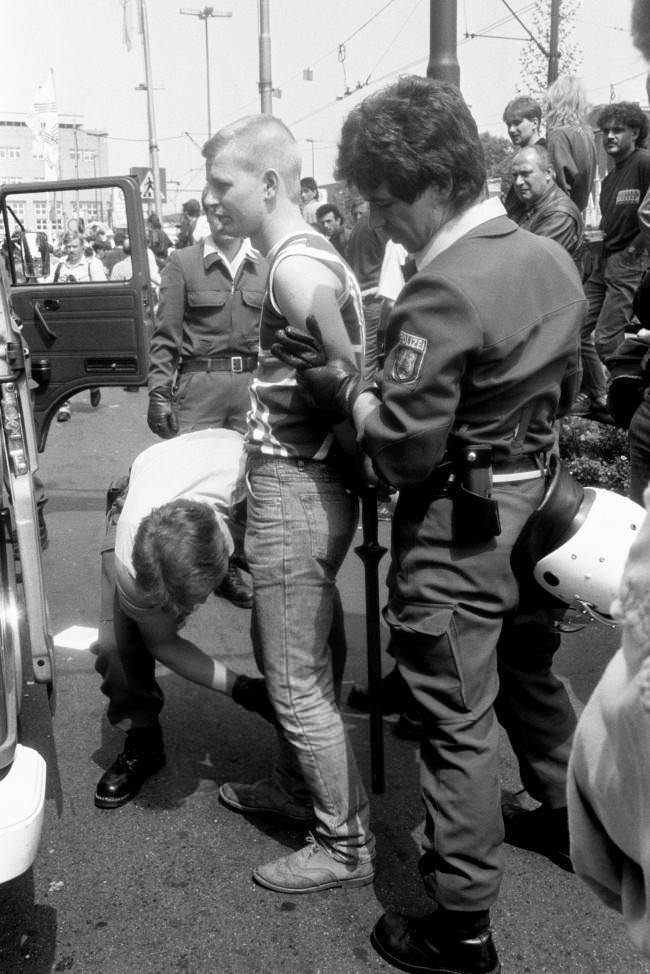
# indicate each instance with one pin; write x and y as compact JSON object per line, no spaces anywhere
{"x":40,"y":321}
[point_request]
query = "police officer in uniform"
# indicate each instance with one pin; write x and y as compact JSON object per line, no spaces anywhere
{"x":482,"y":356}
{"x":204,"y":345}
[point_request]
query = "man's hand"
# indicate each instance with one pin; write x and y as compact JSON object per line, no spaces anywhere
{"x":331,"y":386}
{"x":161,"y":417}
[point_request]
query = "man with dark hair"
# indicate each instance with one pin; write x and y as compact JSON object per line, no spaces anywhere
{"x":523,"y":118}
{"x":546,"y":209}
{"x":330,"y":222}
{"x":482,"y":355}
{"x":309,"y":199}
{"x":190,"y":213}
{"x":617,"y":270}
{"x":177,"y":527}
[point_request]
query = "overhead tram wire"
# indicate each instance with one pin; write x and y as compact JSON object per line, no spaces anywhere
{"x":392,"y":40}
{"x":284,"y":83}
{"x":407,"y":67}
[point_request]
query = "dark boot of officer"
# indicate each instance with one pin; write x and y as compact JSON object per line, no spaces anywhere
{"x":444,"y":942}
{"x":544,"y":830}
{"x":396,"y":698}
{"x":235,"y":588}
{"x":144,"y":751}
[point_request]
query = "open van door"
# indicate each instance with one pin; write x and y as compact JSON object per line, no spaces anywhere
{"x":79,"y":334}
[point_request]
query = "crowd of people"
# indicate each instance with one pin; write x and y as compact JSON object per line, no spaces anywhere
{"x":285,"y":380}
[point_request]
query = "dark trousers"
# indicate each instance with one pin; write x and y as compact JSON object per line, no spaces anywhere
{"x":126,"y":665}
{"x":204,"y":400}
{"x":456,"y":632}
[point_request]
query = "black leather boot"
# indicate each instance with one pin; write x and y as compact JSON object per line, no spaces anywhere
{"x":394,"y":695}
{"x":235,"y":588}
{"x":543,"y":830}
{"x":427,"y":945}
{"x":143,"y":755}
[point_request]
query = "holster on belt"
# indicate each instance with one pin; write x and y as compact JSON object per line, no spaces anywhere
{"x":475,"y":517}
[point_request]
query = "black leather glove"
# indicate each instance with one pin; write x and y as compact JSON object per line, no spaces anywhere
{"x":330,"y":386}
{"x":161,"y":417}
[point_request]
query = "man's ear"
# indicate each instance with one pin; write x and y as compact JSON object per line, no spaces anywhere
{"x":271,"y":182}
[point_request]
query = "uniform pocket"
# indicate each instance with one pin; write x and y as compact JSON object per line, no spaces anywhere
{"x":425,"y":639}
{"x":207,"y":299}
{"x":253,"y":299}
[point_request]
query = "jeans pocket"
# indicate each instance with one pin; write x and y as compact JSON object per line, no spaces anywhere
{"x":331,"y":523}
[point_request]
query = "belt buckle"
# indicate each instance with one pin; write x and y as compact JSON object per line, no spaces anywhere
{"x":236,"y":364}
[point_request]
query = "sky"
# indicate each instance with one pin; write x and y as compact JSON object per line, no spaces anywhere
{"x":367,"y":43}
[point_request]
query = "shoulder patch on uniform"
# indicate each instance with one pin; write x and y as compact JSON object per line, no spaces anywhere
{"x":409,"y":356}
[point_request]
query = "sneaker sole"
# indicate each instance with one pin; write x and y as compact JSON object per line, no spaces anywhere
{"x":353,"y":883}
{"x":237,"y":806}
{"x":417,"y":968}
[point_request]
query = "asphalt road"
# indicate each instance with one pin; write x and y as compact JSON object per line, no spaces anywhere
{"x":163,"y":884}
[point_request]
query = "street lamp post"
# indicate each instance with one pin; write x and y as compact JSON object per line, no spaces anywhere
{"x":205,"y":15}
{"x":313,"y":174}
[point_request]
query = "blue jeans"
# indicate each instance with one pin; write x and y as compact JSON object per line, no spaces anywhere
{"x":301,"y":522}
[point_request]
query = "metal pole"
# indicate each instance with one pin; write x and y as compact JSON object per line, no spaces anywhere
{"x":554,"y":42}
{"x":371,"y":553}
{"x":207,"y":76}
{"x":265,"y":84}
{"x":443,"y":61}
{"x":205,"y":15}
{"x":151,"y":118}
{"x":76,"y":166}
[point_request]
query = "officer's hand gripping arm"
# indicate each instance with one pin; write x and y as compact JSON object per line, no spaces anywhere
{"x":331,"y":385}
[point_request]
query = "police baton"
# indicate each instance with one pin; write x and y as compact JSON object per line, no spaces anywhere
{"x":371,"y":553}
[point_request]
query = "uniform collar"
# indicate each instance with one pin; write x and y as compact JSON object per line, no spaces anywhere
{"x":212,"y":253}
{"x":457,"y":227}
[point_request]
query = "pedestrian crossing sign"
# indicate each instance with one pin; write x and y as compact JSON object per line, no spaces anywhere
{"x":144,"y":176}
{"x":146,"y":186}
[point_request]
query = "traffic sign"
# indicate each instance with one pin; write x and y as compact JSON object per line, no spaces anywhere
{"x":144,"y":175}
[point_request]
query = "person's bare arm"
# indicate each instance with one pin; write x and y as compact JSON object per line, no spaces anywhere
{"x":303,"y":286}
{"x":184,"y":657}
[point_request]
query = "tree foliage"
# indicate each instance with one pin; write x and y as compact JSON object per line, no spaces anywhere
{"x":534,"y":65}
{"x":497,"y":151}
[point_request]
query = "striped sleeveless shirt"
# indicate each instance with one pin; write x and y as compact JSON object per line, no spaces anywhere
{"x":281,"y":423}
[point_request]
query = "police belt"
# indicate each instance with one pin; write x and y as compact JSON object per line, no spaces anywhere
{"x":233,"y":363}
{"x":530,"y":466}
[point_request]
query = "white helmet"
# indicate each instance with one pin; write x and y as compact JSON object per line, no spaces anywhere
{"x":587,"y":566}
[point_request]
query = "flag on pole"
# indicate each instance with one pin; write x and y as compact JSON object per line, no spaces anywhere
{"x":127,"y":23}
{"x":44,"y":123}
{"x":128,"y":18}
